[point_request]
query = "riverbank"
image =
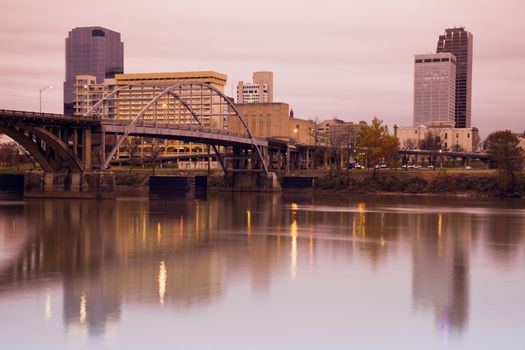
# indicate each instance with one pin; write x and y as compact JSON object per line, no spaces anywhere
{"x":475,"y":184}
{"x":478,"y":183}
{"x":456,"y":182}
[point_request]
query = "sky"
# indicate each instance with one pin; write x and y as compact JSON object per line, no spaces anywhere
{"x":331,"y":58}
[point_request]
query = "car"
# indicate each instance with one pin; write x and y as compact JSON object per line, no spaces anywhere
{"x":430,"y":166}
{"x":354,"y":166}
{"x":468,"y":167}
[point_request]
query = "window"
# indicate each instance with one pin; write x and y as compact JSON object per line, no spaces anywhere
{"x":97,"y":32}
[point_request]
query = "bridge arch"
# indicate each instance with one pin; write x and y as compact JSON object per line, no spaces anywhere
{"x":31,"y":139}
{"x":224,"y":108}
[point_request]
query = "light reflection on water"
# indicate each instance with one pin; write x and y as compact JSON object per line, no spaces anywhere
{"x":333,"y":270}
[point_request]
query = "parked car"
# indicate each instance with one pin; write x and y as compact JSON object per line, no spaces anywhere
{"x":354,"y":165}
{"x":468,"y":167}
{"x":430,"y":166}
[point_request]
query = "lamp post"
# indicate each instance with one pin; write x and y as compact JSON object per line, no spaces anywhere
{"x":40,"y":96}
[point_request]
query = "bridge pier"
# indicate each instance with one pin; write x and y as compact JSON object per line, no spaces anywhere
{"x":89,"y":184}
{"x":252,"y":181}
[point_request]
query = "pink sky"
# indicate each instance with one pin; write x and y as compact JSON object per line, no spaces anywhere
{"x":350,"y":59}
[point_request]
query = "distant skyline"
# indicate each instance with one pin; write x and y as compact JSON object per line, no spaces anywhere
{"x":352,"y":61}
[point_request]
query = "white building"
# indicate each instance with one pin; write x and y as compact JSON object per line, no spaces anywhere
{"x":434,"y":88}
{"x":451,"y":138}
{"x":260,"y":90}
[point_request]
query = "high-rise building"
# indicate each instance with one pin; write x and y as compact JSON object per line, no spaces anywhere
{"x":92,"y":51}
{"x":260,"y":90}
{"x":459,"y":42}
{"x":434,"y":88}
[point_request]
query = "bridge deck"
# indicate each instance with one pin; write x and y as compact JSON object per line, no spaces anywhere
{"x":45,"y":119}
{"x":201,"y":135}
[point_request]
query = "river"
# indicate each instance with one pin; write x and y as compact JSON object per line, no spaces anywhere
{"x":261,"y":271}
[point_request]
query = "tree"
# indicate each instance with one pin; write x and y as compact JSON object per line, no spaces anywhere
{"x":134,"y":151}
{"x":378,"y":144}
{"x":410,"y":143}
{"x":12,"y":155}
{"x":503,"y":148}
{"x":342,"y":137}
{"x":457,"y":148}
{"x":156,"y":150}
{"x":431,"y":142}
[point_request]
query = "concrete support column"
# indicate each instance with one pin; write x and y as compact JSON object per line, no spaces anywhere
{"x":287,"y":160}
{"x":86,"y":148}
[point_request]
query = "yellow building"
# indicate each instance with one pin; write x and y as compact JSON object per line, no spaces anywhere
{"x":454,"y":139}
{"x":131,"y":102}
{"x":272,"y":120}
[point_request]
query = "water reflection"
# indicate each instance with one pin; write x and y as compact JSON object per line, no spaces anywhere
{"x":185,"y":254}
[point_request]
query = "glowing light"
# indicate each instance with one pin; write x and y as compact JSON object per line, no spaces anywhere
{"x":249,"y":222}
{"x":361,"y":208}
{"x":293,"y":252}
{"x":181,"y":228}
{"x":159,"y":232}
{"x":83,"y":308}
{"x":163,"y":277}
{"x":47,"y":307}
{"x":440,"y":225}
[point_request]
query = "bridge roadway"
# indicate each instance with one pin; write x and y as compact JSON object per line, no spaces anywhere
{"x":179,"y":132}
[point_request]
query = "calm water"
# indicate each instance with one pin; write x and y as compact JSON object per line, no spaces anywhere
{"x":263,"y":271}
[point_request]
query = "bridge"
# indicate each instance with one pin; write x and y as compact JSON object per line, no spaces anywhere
{"x":71,"y":147}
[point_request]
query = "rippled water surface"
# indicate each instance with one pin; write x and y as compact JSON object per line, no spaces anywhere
{"x":263,"y":272}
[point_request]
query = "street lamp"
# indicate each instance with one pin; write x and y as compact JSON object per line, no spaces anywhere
{"x":40,"y":95}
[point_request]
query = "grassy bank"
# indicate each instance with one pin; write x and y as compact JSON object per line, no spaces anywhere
{"x":484,"y":183}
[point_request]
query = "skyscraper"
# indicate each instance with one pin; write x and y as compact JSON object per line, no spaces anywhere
{"x":434,"y":88}
{"x":459,"y":42}
{"x":93,"y":51}
{"x":259,"y":91}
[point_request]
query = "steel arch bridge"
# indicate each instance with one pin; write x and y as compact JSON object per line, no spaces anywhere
{"x":186,"y":111}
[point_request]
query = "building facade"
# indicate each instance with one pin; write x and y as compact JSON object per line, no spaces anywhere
{"x":273,"y":120}
{"x":450,"y":137}
{"x":434,"y":88}
{"x":87,"y":92}
{"x":459,"y":42}
{"x":260,"y":90}
{"x":338,"y":133}
{"x":94,"y":51}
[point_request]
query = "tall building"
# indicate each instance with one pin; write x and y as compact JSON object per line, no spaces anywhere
{"x":92,"y":51}
{"x":260,"y":90}
{"x":434,"y":88}
{"x":459,"y":42}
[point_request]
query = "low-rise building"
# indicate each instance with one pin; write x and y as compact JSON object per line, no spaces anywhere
{"x":335,"y":132}
{"x":273,"y":120}
{"x":451,"y":138}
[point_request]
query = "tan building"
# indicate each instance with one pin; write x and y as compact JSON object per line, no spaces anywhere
{"x":273,"y":120}
{"x":260,"y":90}
{"x":131,"y":102}
{"x":338,"y":133}
{"x":452,"y":139}
{"x":87,"y":92}
{"x":434,"y":88}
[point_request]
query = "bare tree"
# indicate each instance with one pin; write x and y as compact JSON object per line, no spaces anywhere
{"x":156,"y":149}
